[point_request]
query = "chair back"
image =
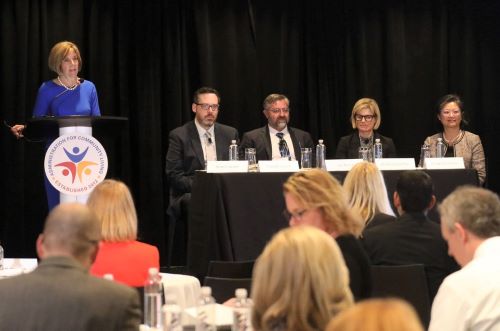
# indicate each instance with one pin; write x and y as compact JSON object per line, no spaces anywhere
{"x":408,"y":282}
{"x":223,"y":288}
{"x":231,"y":269}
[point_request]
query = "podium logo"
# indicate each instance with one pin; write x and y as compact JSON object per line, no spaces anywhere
{"x":75,"y":163}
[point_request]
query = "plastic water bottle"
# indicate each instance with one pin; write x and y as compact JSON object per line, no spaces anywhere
{"x":233,"y":151}
{"x":424,"y":153}
{"x":153,"y":291}
{"x":377,"y":149}
{"x":320,"y":155}
{"x":440,"y":148}
{"x":1,"y":257}
{"x":172,"y":314}
{"x":108,"y":277}
{"x":205,"y":311}
{"x":242,"y":311}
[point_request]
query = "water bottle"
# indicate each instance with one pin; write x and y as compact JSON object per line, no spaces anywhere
{"x":320,"y":155}
{"x":108,"y":277}
{"x":1,"y":257}
{"x":205,"y":311}
{"x":242,"y":311}
{"x":153,"y":291}
{"x":440,"y":148}
{"x":172,"y":314}
{"x":424,"y":153}
{"x":233,"y":151}
{"x":377,"y":149}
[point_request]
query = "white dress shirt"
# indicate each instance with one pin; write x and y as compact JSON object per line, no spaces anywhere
{"x":275,"y":141}
{"x":469,"y":299}
{"x":209,"y":147}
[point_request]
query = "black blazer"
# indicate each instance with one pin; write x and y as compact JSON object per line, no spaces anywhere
{"x":185,"y":154}
{"x":261,"y":141}
{"x":348,"y":146}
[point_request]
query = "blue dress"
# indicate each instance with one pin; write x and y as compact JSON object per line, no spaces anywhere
{"x":56,"y":100}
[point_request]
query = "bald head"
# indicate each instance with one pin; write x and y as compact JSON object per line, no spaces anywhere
{"x":71,"y":229}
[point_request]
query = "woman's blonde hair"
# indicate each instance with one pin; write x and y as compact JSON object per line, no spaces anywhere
{"x":59,"y":52}
{"x":377,"y":315}
{"x":113,"y":204}
{"x":366,"y":191}
{"x":316,"y":188}
{"x":300,"y":281}
{"x":369,"y":104}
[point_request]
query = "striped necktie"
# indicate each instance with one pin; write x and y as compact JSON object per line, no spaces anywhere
{"x":209,"y":148}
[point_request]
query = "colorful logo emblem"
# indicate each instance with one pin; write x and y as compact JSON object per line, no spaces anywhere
{"x":76,"y":163}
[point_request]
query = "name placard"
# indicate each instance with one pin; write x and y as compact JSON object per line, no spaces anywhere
{"x":396,"y":163}
{"x":341,"y":164}
{"x":227,"y":166}
{"x":278,"y":166}
{"x":444,"y":163}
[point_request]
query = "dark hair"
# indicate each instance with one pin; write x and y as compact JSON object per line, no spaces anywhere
{"x":415,"y":190}
{"x":205,"y":90}
{"x":443,"y":101}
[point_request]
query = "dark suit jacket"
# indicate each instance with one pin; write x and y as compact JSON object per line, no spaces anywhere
{"x":412,"y":238}
{"x":379,"y":219}
{"x":348,"y":146}
{"x":60,"y":295}
{"x":261,"y":141}
{"x":185,"y":154}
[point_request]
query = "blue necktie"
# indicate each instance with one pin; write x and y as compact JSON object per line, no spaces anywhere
{"x":284,"y":152}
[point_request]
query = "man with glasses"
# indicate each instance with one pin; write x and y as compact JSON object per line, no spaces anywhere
{"x":276,"y":140}
{"x":365,"y":119}
{"x":190,"y":147}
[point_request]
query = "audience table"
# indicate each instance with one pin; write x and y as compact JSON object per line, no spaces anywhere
{"x":233,"y":215}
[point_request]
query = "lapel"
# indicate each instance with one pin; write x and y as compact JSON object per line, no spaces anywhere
{"x":267,"y":142}
{"x":221,"y":143}
{"x":296,"y":144}
{"x":194,"y":137}
{"x":354,"y":142}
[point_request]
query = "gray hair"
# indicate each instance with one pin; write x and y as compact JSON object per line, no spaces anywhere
{"x":476,"y":209}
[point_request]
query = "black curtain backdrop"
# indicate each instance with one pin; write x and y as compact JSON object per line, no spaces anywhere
{"x":147,"y":57}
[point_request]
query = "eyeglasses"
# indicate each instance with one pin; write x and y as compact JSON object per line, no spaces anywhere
{"x":368,"y":118}
{"x":297,"y":214}
{"x":207,"y":106}
{"x":279,"y":110}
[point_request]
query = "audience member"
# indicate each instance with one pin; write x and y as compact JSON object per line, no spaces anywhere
{"x":60,"y":294}
{"x":316,"y":198}
{"x":468,"y":300}
{"x":120,"y":254}
{"x":457,"y":141}
{"x":365,"y":119}
{"x":367,"y":195}
{"x":377,"y":315}
{"x":413,"y":238}
{"x":276,"y":140}
{"x":299,"y":282}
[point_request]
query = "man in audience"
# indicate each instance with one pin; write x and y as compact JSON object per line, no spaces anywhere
{"x":413,"y":238}
{"x":60,"y":294}
{"x":469,"y":299}
{"x":190,"y":147}
{"x":276,"y":140}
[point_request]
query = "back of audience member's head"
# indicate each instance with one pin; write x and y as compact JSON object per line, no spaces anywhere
{"x":71,"y":229}
{"x":300,"y":281}
{"x":316,"y":188}
{"x":377,"y":315}
{"x":113,"y":204}
{"x":415,"y":190}
{"x":366,"y":191}
{"x":476,"y":209}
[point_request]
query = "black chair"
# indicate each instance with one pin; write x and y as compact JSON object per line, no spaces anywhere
{"x":223,"y":289}
{"x":407,"y":282}
{"x":230,"y":269}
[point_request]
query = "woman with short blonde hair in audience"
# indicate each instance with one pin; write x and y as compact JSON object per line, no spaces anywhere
{"x":120,"y":254}
{"x":300,"y":282}
{"x":377,"y":315}
{"x":316,"y":198}
{"x":367,"y":194}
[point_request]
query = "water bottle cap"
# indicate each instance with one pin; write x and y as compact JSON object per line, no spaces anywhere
{"x":152,"y":271}
{"x":241,"y":293}
{"x":377,"y":140}
{"x":320,"y":141}
{"x":206,"y":291}
{"x":440,"y":139}
{"x":233,"y":141}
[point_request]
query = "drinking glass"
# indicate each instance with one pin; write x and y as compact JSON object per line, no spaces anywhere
{"x":364,"y":153}
{"x":250,"y":156}
{"x":306,"y":158}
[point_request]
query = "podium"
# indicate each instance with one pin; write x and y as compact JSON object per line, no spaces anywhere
{"x":75,"y":162}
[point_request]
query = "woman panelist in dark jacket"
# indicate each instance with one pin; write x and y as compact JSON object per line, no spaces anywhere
{"x":365,"y":119}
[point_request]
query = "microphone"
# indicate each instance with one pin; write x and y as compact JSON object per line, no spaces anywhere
{"x":366,"y":141}
{"x":209,"y":140}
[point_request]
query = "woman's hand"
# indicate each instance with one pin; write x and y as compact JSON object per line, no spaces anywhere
{"x":17,"y":130}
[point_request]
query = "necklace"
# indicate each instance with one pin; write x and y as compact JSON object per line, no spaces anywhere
{"x":67,"y":87}
{"x":451,"y":141}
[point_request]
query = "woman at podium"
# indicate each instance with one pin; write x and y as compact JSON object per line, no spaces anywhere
{"x":65,"y":95}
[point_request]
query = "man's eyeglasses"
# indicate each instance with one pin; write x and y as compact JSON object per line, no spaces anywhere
{"x":207,"y":106}
{"x":368,"y":118}
{"x":297,"y":214}
{"x":279,"y":110}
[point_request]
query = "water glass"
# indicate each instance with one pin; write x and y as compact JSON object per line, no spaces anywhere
{"x":250,"y":156}
{"x":364,"y":153}
{"x":306,"y":158}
